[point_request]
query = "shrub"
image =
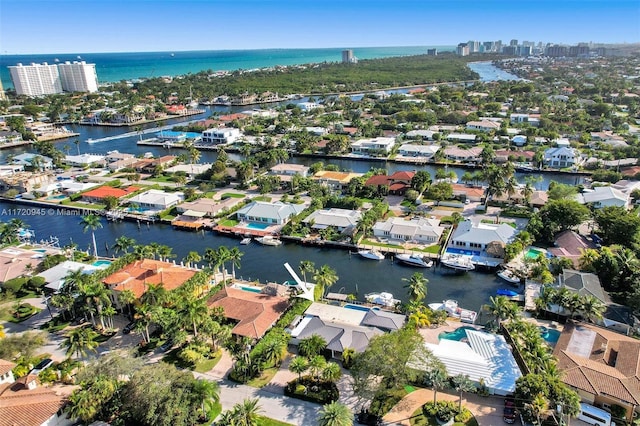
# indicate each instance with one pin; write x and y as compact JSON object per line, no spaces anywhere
{"x":384,"y":401}
{"x":308,"y":389}
{"x":36,"y":283}
{"x":15,"y":285}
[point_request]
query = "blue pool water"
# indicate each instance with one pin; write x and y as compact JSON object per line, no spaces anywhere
{"x":40,"y":250}
{"x":533,"y":253}
{"x":173,"y":134}
{"x":359,"y":308}
{"x":462,"y":251}
{"x":99,"y":263}
{"x":457,"y":335}
{"x":550,"y":335}
{"x":254,"y":225}
{"x":56,"y":197}
{"x":251,"y":289}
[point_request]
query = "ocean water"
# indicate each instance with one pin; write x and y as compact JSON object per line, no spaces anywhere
{"x":112,"y":67}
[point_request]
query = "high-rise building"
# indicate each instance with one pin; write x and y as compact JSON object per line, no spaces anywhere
{"x":462,"y":49}
{"x":78,"y":77}
{"x":348,"y":58}
{"x":474,"y":46}
{"x":556,"y":51}
{"x":513,"y":42}
{"x":489,"y":46}
{"x":432,"y":52}
{"x":3,"y":95}
{"x":35,"y":79}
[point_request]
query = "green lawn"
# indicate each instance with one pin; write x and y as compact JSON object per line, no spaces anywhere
{"x":208,"y":364}
{"x":229,"y":222}
{"x":262,"y":198}
{"x":264,"y":378}
{"x":435,"y":249}
{"x":266,"y":421}
{"x":160,"y":179}
{"x":511,"y":224}
{"x":231,"y":195}
{"x":83,"y":205}
{"x":378,"y":244}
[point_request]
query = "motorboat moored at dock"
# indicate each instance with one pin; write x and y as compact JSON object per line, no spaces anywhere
{"x":384,"y":299}
{"x":414,"y":260}
{"x":371,"y":254}
{"x":457,"y":262}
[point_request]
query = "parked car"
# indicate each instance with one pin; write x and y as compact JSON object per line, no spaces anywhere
{"x":166,"y":346}
{"x":509,"y":411}
{"x":127,"y":328}
{"x":42,"y":365}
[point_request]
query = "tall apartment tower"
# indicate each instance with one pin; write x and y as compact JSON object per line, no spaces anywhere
{"x":35,"y":79}
{"x":462,"y":49}
{"x":78,"y":77}
{"x":3,"y":95}
{"x":474,"y":46}
{"x":348,"y":58}
{"x":513,"y":42}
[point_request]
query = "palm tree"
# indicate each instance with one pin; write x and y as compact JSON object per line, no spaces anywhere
{"x":299,"y":365}
{"x":502,"y":308}
{"x":331,"y":372}
{"x":462,"y":383}
{"x":208,"y":392}
{"x":335,"y":414}
{"x":325,"y":277}
{"x":347,"y":357}
{"x":234,"y":257}
{"x":127,"y":297}
{"x":592,"y":308}
{"x":312,"y":345}
{"x":538,"y":406}
{"x":194,"y":311}
{"x":245,"y":413}
{"x":273,"y":351}
{"x":91,"y":222}
{"x":417,"y":286}
{"x":438,"y":379}
{"x":79,"y":341}
{"x":155,"y":295}
{"x":191,"y":257}
{"x":588,"y":258}
{"x":123,"y":243}
{"x":316,"y":365}
{"x":306,"y":266}
{"x":109,"y":312}
{"x":222,"y":256}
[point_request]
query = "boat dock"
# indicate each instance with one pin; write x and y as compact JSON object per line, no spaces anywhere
{"x":531,"y":293}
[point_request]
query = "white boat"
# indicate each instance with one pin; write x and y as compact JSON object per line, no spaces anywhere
{"x":509,"y":276}
{"x":457,"y":262}
{"x":384,"y":299}
{"x":453,"y":310}
{"x":268,"y":240}
{"x":414,"y":260}
{"x":245,"y":241}
{"x":91,"y":141}
{"x":371,"y":254}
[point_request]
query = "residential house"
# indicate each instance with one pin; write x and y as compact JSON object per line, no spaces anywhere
{"x":55,"y":277}
{"x":465,"y":155}
{"x":10,"y":137}
{"x":84,"y":160}
{"x":156,"y":200}
{"x":562,"y":157}
{"x":25,"y":181}
{"x":15,"y":262}
{"x":48,"y":131}
{"x":539,"y":199}
{"x":425,"y":152}
{"x":277,"y":213}
{"x":373,"y":146}
{"x":341,"y":219}
{"x":465,"y":192}
{"x":148,"y":165}
{"x":604,"y":196}
{"x":113,"y":156}
{"x":137,"y":277}
{"x":68,"y":186}
{"x":532,"y":120}
{"x":425,"y":135}
{"x":483,"y":125}
{"x":99,"y":194}
{"x":207,"y":206}
{"x":571,"y":245}
{"x":485,"y":358}
{"x":477,"y":236}
{"x":419,"y":230}
{"x":29,"y":160}
{"x":582,"y":283}
{"x":10,"y":169}
{"x":335,"y":180}
{"x":601,"y":365}
{"x":343,"y":328}
{"x":253,"y":313}
{"x":191,"y":170}
{"x":397,"y":183}
{"x":6,"y":371}
{"x":461,"y":138}
{"x":221,"y":136}
{"x":285,"y":171}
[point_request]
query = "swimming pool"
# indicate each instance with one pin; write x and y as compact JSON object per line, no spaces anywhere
{"x":549,"y":335}
{"x":251,"y":289}
{"x":454,"y":250}
{"x":359,"y":308}
{"x":40,"y":250}
{"x":103,"y":263}
{"x":533,"y":253}
{"x":254,"y":225}
{"x":457,"y":335}
{"x":56,"y":197}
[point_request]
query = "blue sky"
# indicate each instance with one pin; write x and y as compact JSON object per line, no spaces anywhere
{"x":68,"y":26}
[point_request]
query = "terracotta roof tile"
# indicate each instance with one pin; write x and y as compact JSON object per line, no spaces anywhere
{"x":23,"y":407}
{"x":138,"y":275}
{"x":6,"y":366}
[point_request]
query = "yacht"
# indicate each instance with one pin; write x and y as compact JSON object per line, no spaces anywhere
{"x":371,"y":254}
{"x":245,"y":241}
{"x":414,"y":260}
{"x":384,"y":299}
{"x":458,"y":262}
{"x":509,"y":276}
{"x":453,"y":310}
{"x":268,"y":240}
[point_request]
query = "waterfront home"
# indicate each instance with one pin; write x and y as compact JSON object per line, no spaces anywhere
{"x":539,"y":199}
{"x":252,"y":312}
{"x":124,"y":163}
{"x":341,"y":219}
{"x":84,"y":160}
{"x":461,"y":138}
{"x":155,"y":200}
{"x":604,"y":196}
{"x":11,"y":169}
{"x":571,"y":245}
{"x":285,"y":171}
{"x":464,"y":155}
{"x":10,"y":137}
{"x":601,"y":365}
{"x":99,"y":194}
{"x":277,"y":213}
{"x":113,"y":156}
{"x":485,"y":357}
{"x":191,"y":170}
{"x":519,"y":140}
{"x":220,"y":136}
{"x":483,"y":125}
{"x":466,"y":192}
{"x":48,"y":131}
{"x":26,"y":402}
{"x":68,"y":186}
{"x":24,"y":182}
{"x":137,"y":277}
{"x":423,"y":152}
{"x":33,"y":161}
{"x":425,"y":135}
{"x":308,"y":106}
{"x":396,"y":184}
{"x":54,"y":277}
{"x":148,"y":165}
{"x":207,"y":207}
{"x":582,"y":283}
{"x":335,"y":180}
{"x":15,"y":262}
{"x":418,"y":230}
{"x":373,"y":146}
{"x":476,"y":237}
{"x":562,"y":157}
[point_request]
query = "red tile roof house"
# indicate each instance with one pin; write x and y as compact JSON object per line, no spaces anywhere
{"x":138,"y":275}
{"x":398,"y":183}
{"x":571,"y":245}
{"x":254,"y":313}
{"x":99,"y":194}
{"x":601,"y":365}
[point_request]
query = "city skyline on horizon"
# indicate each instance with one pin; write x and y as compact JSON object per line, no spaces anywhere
{"x":116,"y":26}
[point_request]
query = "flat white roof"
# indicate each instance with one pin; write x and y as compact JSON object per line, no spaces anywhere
{"x":336,"y":313}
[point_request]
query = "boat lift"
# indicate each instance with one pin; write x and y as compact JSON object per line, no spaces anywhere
{"x":306,"y":288}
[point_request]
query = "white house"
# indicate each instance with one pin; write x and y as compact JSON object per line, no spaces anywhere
{"x":155,"y":200}
{"x":471,"y":236}
{"x":425,"y":135}
{"x":562,"y":157}
{"x":27,"y":159}
{"x":483,"y":125}
{"x":424,"y":231}
{"x":308,"y":106}
{"x":459,"y":154}
{"x":286,"y":170}
{"x":277,"y":213}
{"x":220,"y":136}
{"x":373,"y":146}
{"x":84,"y":160}
{"x":415,"y":150}
{"x":605,"y":196}
{"x":55,"y":277}
{"x":461,"y":137}
{"x":339,"y":218}
{"x":519,"y":140}
{"x":525,"y":118}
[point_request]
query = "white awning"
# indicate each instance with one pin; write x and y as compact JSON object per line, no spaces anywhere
{"x":194,"y":213}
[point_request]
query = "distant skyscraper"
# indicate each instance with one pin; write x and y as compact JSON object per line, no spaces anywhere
{"x":462,"y":49}
{"x":78,"y":77}
{"x":474,"y":46}
{"x":348,"y":58}
{"x":432,"y":52}
{"x":3,"y":96}
{"x":513,"y":42}
{"x":36,"y":79}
